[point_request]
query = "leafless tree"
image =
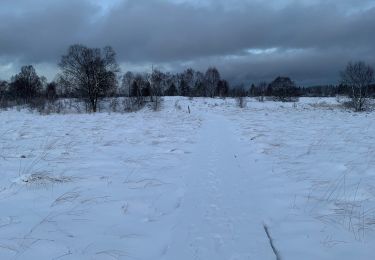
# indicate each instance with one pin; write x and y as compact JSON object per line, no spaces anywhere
{"x":3,"y":93}
{"x":212,"y":78}
{"x":241,"y":97}
{"x":358,"y":76}
{"x":187,"y":82}
{"x":157,"y":79}
{"x":262,"y":90}
{"x":284,"y":89}
{"x":222,"y":88}
{"x":127,"y":81}
{"x":26,"y":84}
{"x":91,"y":72}
{"x":200,"y":88}
{"x":136,"y":91}
{"x":3,"y":86}
{"x":51,"y":94}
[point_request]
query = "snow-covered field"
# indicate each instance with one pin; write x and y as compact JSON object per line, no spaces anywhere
{"x":178,"y":186}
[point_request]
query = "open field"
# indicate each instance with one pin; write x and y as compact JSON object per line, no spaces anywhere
{"x":178,"y":186}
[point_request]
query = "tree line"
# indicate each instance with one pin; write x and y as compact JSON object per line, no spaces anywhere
{"x":91,"y":74}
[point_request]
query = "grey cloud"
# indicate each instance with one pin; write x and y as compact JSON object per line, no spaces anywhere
{"x":312,"y":39}
{"x":42,"y":33}
{"x":163,"y":31}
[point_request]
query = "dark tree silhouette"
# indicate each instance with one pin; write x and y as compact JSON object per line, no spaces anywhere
{"x":135,"y":90}
{"x":212,"y":78}
{"x":222,"y":88}
{"x":262,"y":88}
{"x":26,"y":85}
{"x":172,"y":90}
{"x":91,"y":72}
{"x":284,"y":89}
{"x":157,"y":80}
{"x":51,"y":93}
{"x":200,"y":89}
{"x":188,"y":79}
{"x":3,"y":92}
{"x":127,"y":81}
{"x":184,"y":88}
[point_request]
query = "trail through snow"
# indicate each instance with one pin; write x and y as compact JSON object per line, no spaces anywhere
{"x":221,"y":212}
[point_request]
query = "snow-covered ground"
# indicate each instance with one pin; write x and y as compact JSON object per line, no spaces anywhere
{"x":177,"y":186}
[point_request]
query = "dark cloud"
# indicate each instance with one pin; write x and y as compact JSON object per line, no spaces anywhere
{"x":248,"y":40}
{"x":42,"y":34}
{"x":163,"y":31}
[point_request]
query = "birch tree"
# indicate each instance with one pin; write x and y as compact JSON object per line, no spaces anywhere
{"x":358,"y":76}
{"x":212,"y":78}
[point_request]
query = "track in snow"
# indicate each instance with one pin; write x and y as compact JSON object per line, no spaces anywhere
{"x":221,"y":210}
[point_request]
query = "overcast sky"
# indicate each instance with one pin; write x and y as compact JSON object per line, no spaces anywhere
{"x":248,"y":40}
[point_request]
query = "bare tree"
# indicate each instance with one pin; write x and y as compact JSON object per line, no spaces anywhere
{"x":187,"y":82}
{"x":200,"y":89}
{"x":137,"y":92}
{"x":170,"y":85}
{"x":240,"y":95}
{"x":127,"y":81}
{"x":3,"y":93}
{"x":157,"y":80}
{"x":26,"y":85}
{"x":51,"y":93}
{"x":212,"y":78}
{"x":91,"y":72}
{"x":3,"y":88}
{"x":262,"y":90}
{"x":222,"y":88}
{"x":358,"y":76}
{"x":284,"y":89}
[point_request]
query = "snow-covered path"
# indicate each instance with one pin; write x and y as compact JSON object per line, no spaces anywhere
{"x":221,"y":213}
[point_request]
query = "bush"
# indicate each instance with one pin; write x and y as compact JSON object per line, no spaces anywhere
{"x":241,"y":101}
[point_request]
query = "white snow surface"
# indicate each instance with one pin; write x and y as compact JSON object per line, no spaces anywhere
{"x":177,"y":186}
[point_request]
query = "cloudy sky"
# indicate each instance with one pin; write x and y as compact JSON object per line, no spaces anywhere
{"x":248,"y":40}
